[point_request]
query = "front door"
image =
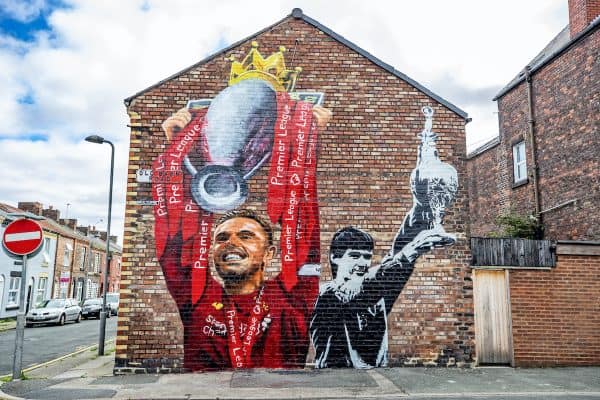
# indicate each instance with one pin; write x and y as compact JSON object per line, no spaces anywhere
{"x":492,"y":317}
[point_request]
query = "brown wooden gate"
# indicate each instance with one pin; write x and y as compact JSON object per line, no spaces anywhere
{"x":493,"y":336}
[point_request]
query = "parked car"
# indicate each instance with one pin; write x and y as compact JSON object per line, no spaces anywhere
{"x":113,"y":300}
{"x":91,"y":308}
{"x":55,"y":311}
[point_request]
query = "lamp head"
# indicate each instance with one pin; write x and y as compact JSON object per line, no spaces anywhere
{"x":95,"y":139}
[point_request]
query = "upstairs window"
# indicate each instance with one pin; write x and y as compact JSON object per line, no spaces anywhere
{"x":46,"y":251}
{"x":67,"y":254}
{"x":13,"y":292}
{"x":519,"y":163}
{"x":81,"y":258}
{"x":96,"y":263}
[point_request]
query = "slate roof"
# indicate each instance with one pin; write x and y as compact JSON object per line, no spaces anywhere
{"x":561,"y":43}
{"x":297,"y":13}
{"x":52,"y":226}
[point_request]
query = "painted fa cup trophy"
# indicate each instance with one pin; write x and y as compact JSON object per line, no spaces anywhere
{"x":433,"y":181}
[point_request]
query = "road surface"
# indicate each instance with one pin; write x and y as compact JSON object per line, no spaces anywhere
{"x":47,"y":342}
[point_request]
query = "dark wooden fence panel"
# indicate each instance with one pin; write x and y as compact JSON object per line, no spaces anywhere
{"x":513,"y":252}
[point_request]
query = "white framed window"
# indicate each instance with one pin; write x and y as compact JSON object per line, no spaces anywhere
{"x":79,"y":290}
{"x":47,"y":245}
{"x":64,"y":286}
{"x":46,"y":252}
{"x":13,"y":291}
{"x":41,"y":290}
{"x":88,"y":287}
{"x":81,"y":258}
{"x":519,"y":162}
{"x":97,"y":262}
{"x":67,"y":255}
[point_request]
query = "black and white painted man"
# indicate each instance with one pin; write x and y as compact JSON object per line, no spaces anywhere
{"x":349,"y":323}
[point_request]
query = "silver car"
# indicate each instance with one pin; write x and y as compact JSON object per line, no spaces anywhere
{"x":112,"y":299}
{"x":55,"y":311}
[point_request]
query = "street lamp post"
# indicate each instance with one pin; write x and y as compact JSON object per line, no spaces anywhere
{"x":99,"y":140}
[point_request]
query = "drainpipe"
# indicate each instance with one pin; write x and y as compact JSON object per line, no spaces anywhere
{"x":531,"y":134}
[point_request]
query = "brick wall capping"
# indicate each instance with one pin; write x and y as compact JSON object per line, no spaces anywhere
{"x":578,"y":247}
{"x":543,"y":59}
{"x":298,"y":14}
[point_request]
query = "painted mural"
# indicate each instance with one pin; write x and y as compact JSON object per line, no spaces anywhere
{"x":200,"y":185}
{"x":360,"y":295}
{"x":215,"y":147}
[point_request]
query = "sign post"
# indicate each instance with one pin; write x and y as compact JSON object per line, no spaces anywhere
{"x":21,"y":238}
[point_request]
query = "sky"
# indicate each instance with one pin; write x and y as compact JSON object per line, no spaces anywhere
{"x":67,"y":65}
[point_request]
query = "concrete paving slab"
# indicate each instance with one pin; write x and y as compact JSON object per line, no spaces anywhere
{"x":72,"y":374}
{"x":23,"y":388}
{"x":70,"y":394}
{"x":125,"y":380}
{"x":302,"y":378}
{"x":493,"y":380}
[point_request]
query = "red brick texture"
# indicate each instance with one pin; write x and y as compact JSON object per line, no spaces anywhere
{"x":565,"y":98}
{"x":366,"y":155}
{"x":581,"y":13}
{"x":556,"y":313}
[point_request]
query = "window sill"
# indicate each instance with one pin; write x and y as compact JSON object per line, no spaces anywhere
{"x":522,"y":182}
{"x":12,"y":307}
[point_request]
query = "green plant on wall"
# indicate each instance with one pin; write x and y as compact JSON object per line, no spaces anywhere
{"x":517,"y":225}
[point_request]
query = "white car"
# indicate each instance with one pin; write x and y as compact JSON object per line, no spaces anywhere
{"x":55,"y":311}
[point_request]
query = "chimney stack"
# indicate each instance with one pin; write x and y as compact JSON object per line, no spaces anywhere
{"x":70,"y":222}
{"x":51,"y":213}
{"x":581,"y":14}
{"x":33,"y":207}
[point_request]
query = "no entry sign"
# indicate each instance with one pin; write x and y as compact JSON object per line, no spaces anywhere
{"x":22,"y":237}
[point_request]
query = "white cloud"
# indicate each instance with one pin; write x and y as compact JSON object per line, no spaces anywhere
{"x":71,"y":81}
{"x":21,"y":10}
{"x":59,"y":171}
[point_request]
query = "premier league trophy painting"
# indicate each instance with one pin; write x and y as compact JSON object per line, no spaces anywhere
{"x":242,"y":320}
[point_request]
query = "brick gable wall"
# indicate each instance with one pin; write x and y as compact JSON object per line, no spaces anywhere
{"x":366,"y":155}
{"x":565,"y":97}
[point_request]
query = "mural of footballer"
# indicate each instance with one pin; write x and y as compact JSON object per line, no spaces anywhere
{"x":349,"y":323}
{"x":213,"y":149}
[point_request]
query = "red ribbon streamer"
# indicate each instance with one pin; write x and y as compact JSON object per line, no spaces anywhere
{"x":291,"y":201}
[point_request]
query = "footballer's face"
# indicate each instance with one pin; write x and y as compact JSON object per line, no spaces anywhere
{"x":241,"y":249}
{"x":352,"y":265}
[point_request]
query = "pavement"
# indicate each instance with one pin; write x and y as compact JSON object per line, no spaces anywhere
{"x":87,"y":376}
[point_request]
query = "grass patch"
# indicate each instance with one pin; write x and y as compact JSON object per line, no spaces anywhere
{"x":8,"y":378}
